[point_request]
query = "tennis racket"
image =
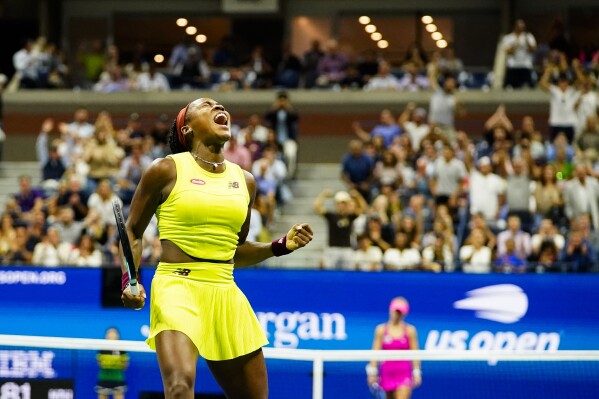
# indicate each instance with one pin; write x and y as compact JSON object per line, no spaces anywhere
{"x":127,"y":254}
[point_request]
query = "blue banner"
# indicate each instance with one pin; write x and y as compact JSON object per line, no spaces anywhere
{"x":321,"y":310}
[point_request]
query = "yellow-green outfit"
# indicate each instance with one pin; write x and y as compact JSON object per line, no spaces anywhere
{"x":202,"y":216}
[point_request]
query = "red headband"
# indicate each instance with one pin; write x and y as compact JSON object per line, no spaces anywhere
{"x":180,"y":123}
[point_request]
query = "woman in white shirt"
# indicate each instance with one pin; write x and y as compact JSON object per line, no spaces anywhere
{"x":402,"y":256}
{"x":367,"y":257}
{"x":476,"y":257}
{"x":85,"y":253}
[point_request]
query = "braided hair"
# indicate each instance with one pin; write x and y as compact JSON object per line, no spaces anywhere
{"x":173,"y":140}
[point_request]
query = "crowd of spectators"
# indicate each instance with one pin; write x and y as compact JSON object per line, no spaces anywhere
{"x":327,"y":65}
{"x":422,"y":195}
{"x":67,"y":217}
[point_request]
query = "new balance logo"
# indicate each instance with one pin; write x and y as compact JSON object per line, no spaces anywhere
{"x":233,"y":184}
{"x":182,"y":272}
{"x":504,"y":303}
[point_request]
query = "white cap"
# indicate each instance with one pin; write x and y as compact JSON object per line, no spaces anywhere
{"x":342,"y":196}
{"x":484,"y":161}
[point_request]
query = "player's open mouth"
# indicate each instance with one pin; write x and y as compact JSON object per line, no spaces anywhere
{"x":221,"y":119}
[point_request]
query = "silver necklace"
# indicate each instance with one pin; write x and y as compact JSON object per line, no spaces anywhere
{"x":214,"y":164}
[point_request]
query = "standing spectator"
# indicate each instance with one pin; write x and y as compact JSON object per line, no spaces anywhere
{"x":3,"y":80}
{"x":443,"y":104}
{"x":387,"y":128}
{"x":331,"y":67}
{"x":520,"y":47}
{"x":150,"y":80}
{"x":339,"y":252}
{"x":564,"y":98}
{"x":282,"y":118}
{"x":103,"y":157}
{"x":448,"y":178}
{"x":578,"y":254}
{"x":412,"y":80}
{"x":51,"y":251}
{"x":589,"y":136}
{"x":548,"y":196}
{"x":383,"y":80}
{"x":26,"y":64}
{"x":237,"y":153}
{"x":518,"y":193}
{"x":273,"y":169}
{"x":312,"y":59}
{"x":367,"y":257}
{"x":259,"y":71}
{"x":581,"y":195}
{"x":367,"y":66}
{"x":487,"y":192}
{"x":401,"y":256}
{"x":51,"y":163}
{"x":522,"y":245}
{"x":413,"y":121}
{"x":589,"y":101}
{"x":288,"y":69}
{"x":476,"y":257}
{"x":357,"y":169}
{"x":73,"y":196}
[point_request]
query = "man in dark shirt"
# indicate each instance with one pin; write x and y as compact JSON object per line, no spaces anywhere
{"x":357,"y":169}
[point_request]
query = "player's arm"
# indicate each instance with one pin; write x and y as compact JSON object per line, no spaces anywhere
{"x":372,"y":370}
{"x":413,"y":339}
{"x":249,"y":252}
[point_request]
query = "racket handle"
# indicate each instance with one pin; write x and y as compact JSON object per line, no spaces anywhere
{"x":134,"y":287}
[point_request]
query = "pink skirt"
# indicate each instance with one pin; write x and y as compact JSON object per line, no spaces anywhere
{"x":396,"y":374}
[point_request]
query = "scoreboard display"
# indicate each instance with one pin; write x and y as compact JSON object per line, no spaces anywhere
{"x":36,"y":389}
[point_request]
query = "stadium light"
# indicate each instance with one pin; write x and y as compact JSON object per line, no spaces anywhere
{"x":382,"y":44}
{"x":427,"y":19}
{"x":431,"y":28}
{"x":364,"y":20}
{"x":201,"y":38}
{"x":376,"y":36}
{"x":441,"y":43}
{"x":191,"y":30}
{"x":370,"y":28}
{"x":159,"y":58}
{"x":437,"y":36}
{"x":181,"y":22}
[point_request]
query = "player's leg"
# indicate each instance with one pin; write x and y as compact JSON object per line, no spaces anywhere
{"x":243,"y":377}
{"x":403,"y":392}
{"x":177,"y":357}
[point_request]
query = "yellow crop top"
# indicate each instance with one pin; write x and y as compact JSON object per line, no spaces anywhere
{"x":205,"y":211}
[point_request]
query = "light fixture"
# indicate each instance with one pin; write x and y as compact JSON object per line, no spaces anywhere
{"x":376,"y":36}
{"x":441,"y":43}
{"x":181,"y":22}
{"x":158,"y":58}
{"x":437,"y":36}
{"x":191,"y":30}
{"x":431,"y":28}
{"x":427,"y":19}
{"x":382,"y":44}
{"x":370,"y":28}
{"x":201,"y":38}
{"x":364,"y":20}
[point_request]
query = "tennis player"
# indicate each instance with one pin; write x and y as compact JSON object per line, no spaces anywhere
{"x":396,"y":378}
{"x":203,"y":205}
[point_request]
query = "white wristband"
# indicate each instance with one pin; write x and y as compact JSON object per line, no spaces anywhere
{"x":416,"y":372}
{"x":371,"y":370}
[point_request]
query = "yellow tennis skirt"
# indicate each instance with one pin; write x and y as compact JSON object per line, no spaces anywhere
{"x":201,"y":300}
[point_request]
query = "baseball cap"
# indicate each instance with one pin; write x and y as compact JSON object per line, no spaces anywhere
{"x":342,"y":196}
{"x":400,"y":305}
{"x":484,"y":161}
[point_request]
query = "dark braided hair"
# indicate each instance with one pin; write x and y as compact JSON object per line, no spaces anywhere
{"x":173,"y":140}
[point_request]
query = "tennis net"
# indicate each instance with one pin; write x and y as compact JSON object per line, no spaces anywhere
{"x":33,"y":367}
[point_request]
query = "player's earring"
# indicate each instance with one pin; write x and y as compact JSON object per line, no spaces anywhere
{"x":187,"y":130}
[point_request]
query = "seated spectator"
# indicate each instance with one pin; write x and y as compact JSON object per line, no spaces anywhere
{"x":547,"y":232}
{"x":274,"y":169}
{"x":589,"y":136}
{"x":101,"y":202}
{"x":521,"y":238}
{"x":584,"y":224}
{"x":357,"y":168}
{"x":85,"y":253}
{"x":19,"y":254}
{"x":69,"y":228}
{"x":530,"y":136}
{"x":548,"y":258}
{"x":367,"y":66}
{"x":518,"y":193}
{"x":254,"y":132}
{"x":150,"y":80}
{"x":114,"y":81}
{"x":7,"y":234}
{"x":331,"y":67}
{"x":259,"y":72}
{"x":237,"y":153}
{"x":486,"y":192}
{"x":448,"y":178}
{"x":401,"y":256}
{"x":288,"y":69}
{"x":27,"y":195}
{"x":132,"y":168}
{"x":26,"y":64}
{"x":380,"y":232}
{"x":387,"y":171}
{"x":387,"y":128}
{"x":578,"y":255}
{"x":282,"y":119}
{"x":51,"y":251}
{"x":383,"y":80}
{"x":547,"y":194}
{"x":413,"y":122}
{"x":416,"y":55}
{"x":449,"y":63}
{"x":367,"y":257}
{"x":438,"y":256}
{"x":510,"y":261}
{"x":476,"y":257}
{"x":312,"y":59}
{"x":440,"y":227}
{"x":338,"y":254}
{"x":72,"y":195}
{"x":412,"y":80}
{"x":560,"y":143}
